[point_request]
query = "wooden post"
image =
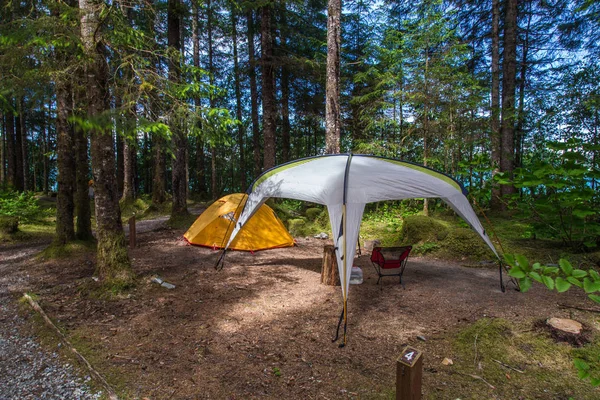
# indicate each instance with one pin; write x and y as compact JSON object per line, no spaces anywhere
{"x":329,"y":270}
{"x":409,"y":372}
{"x":132,"y":232}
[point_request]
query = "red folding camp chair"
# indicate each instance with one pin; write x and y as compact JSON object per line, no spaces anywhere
{"x":390,"y":258}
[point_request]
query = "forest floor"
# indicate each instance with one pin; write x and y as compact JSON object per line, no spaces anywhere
{"x":263,"y":326}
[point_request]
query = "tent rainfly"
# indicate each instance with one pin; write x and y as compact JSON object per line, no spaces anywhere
{"x":214,"y":226}
{"x":345,"y":183}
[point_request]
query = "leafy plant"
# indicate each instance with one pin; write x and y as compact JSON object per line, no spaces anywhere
{"x":562,"y":278}
{"x":22,"y":205}
{"x":561,"y":197}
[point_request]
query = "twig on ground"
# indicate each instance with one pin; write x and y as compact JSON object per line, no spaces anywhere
{"x":112,"y":395}
{"x":475,"y":344}
{"x":508,"y":366}
{"x":591,"y":309}
{"x":479,"y":378}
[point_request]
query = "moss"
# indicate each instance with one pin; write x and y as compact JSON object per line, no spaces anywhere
{"x":590,"y":354}
{"x":297,"y":227}
{"x":131,"y":208}
{"x":548,"y":371}
{"x":113,"y":266}
{"x":69,"y":250}
{"x":9,"y":225}
{"x":422,"y":249}
{"x":181,"y":221}
{"x":313,"y":213}
{"x":420,"y":229}
{"x":465,"y":242}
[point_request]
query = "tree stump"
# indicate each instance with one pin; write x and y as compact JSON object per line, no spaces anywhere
{"x":329,"y":270}
{"x":566,"y":330}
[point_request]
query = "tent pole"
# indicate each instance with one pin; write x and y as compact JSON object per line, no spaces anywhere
{"x":344,"y":245}
{"x":345,"y":273}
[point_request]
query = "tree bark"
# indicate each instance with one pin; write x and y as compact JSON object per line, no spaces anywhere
{"x":65,"y":205}
{"x":158,"y":182}
{"x":519,"y":134}
{"x":238,"y":99}
{"x":113,"y":265}
{"x":268,"y":88}
{"x":200,"y":168}
{"x":332,"y":101}
{"x":19,"y":177}
{"x":509,"y":69}
{"x":253,"y":95}
{"x":179,"y":140}
{"x":329,"y":269}
{"x":82,"y":199}
{"x":24,"y":145}
{"x":285,"y":91}
{"x":495,"y":203}
{"x":211,"y":72}
{"x":45,"y":131}
{"x":2,"y":150}
{"x":10,"y":149}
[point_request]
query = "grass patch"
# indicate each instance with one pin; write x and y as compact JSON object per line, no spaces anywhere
{"x":181,"y":221}
{"x":548,"y":367}
{"x":136,"y":207}
{"x":34,"y":231}
{"x":76,"y":248}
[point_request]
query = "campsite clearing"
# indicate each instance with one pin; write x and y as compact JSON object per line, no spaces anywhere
{"x":262,"y":327}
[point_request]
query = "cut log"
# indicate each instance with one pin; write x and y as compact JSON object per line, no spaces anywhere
{"x":566,"y":330}
{"x":565,"y":325}
{"x":329,"y":270}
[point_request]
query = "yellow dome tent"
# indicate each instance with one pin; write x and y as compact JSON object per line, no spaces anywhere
{"x":214,"y":226}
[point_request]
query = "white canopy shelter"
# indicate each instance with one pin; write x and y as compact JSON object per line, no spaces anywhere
{"x":345,"y":183}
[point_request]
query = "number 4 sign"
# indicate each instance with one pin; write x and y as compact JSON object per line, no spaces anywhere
{"x":409,"y":356}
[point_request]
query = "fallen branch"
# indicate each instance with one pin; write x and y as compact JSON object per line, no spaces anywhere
{"x":478,"y":378}
{"x":579,"y":308}
{"x":109,"y":390}
{"x":509,"y":367}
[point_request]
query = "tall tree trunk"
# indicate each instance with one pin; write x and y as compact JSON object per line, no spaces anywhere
{"x":19,"y":177}
{"x":119,"y":128}
{"x":200,"y":168}
{"x":211,"y":72}
{"x":10,"y":149}
{"x":268,"y":87}
{"x":82,"y":199}
{"x":509,"y":69}
{"x":24,"y":144}
{"x":253,"y":95}
{"x":113,"y":266}
{"x":65,"y":205}
{"x":238,"y":98}
{"x":285,"y":91}
{"x":179,"y":140}
{"x":45,"y":131}
{"x":426,"y":133}
{"x":2,"y":150}
{"x":158,"y":183}
{"x":495,"y":203}
{"x":519,"y":134}
{"x":332,"y":101}
{"x":129,"y":161}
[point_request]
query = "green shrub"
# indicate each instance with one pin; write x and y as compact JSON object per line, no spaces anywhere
{"x":23,"y":206}
{"x":9,"y":225}
{"x":425,"y":248}
{"x":421,"y":229}
{"x":313,"y":213}
{"x":465,"y":242}
{"x":297,"y":227}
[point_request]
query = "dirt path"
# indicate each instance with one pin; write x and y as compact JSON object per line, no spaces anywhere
{"x":26,"y":370}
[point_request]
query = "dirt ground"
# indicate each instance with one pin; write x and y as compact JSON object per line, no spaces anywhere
{"x":263,"y":326}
